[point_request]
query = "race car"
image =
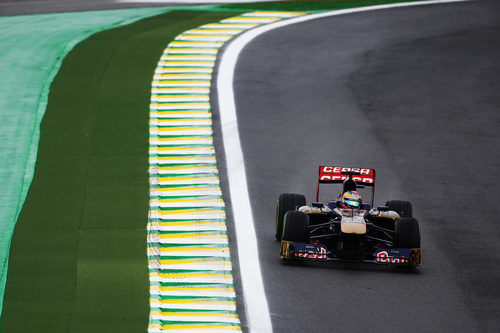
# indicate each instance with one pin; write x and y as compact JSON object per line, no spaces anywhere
{"x":347,"y":228}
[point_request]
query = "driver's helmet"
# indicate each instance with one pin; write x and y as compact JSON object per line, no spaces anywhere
{"x":351,"y":200}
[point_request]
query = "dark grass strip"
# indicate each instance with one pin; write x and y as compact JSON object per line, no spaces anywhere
{"x":307,"y":6}
{"x":78,"y":257}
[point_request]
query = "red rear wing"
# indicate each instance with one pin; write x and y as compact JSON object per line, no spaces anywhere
{"x":336,"y":175}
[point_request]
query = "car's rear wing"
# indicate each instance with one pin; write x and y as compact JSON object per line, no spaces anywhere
{"x":337,"y":175}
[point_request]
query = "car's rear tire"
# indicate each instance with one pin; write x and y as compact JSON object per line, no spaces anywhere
{"x":403,"y":208}
{"x":286,"y":202}
{"x":295,"y":227}
{"x":407,"y":233}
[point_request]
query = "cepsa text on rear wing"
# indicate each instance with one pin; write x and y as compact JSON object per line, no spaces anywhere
{"x":338,"y":174}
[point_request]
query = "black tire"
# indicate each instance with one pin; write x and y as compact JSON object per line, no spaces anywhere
{"x":286,"y":202}
{"x":407,"y":233}
{"x":295,"y":227}
{"x":403,"y":208}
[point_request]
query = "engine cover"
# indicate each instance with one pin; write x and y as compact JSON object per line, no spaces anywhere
{"x":353,"y":224}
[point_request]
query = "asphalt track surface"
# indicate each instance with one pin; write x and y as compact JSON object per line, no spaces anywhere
{"x":413,"y":93}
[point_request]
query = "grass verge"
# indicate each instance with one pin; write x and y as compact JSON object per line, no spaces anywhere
{"x":307,"y":6}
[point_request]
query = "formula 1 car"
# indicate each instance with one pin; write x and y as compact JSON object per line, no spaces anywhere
{"x":327,"y":231}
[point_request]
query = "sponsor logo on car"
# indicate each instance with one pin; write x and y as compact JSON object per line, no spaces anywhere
{"x":334,"y":169}
{"x":337,"y":174}
{"x":340,"y":177}
{"x":383,"y":256}
{"x":314,"y":253}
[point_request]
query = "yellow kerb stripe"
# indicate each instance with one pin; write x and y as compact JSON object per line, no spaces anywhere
{"x":181,"y":148}
{"x":176,"y":168}
{"x":183,"y":88}
{"x":188,"y":62}
{"x":177,"y":56}
{"x":196,"y":301}
{"x":196,"y":43}
{"x":192,"y":50}
{"x":223,"y":262}
{"x":168,"y":75}
{"x":191,"y":275}
{"x":193,"y":235}
{"x":185,"y":129}
{"x":195,"y":314}
{"x":250,"y":18}
{"x":190,"y":188}
{"x":217,"y":30}
{"x":183,"y":288}
{"x":206,"y":36}
{"x":207,"y":328}
{"x":189,"y":249}
{"x":215,"y":200}
{"x":183,"y":81}
{"x":181,"y":178}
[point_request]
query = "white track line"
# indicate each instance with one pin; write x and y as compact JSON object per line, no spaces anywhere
{"x":253,"y":289}
{"x":189,"y":2}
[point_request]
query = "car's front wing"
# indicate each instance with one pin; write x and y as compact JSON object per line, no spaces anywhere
{"x":319,"y":252}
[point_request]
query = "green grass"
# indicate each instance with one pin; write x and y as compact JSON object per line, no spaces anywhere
{"x":78,"y":256}
{"x":307,"y":6}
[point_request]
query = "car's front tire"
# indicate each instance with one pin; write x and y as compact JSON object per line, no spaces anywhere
{"x":296,"y":227}
{"x":407,"y":233}
{"x":286,"y":202}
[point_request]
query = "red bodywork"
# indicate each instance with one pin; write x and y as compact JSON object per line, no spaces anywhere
{"x":337,"y":175}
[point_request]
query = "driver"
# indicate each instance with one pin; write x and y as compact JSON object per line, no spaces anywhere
{"x":351,"y":200}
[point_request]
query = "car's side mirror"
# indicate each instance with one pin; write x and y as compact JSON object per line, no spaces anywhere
{"x":332,"y":205}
